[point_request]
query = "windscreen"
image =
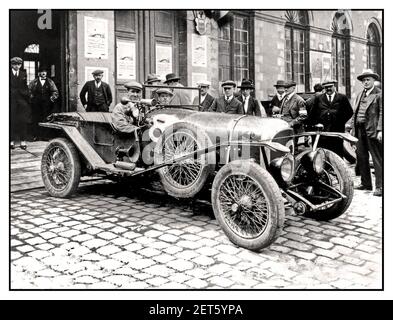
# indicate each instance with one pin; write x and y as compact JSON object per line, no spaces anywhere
{"x":187,"y":97}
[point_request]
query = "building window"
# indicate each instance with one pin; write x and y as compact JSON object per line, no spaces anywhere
{"x":31,"y":61}
{"x":373,"y":49}
{"x":340,"y":52}
{"x":233,"y":48}
{"x":296,"y":33}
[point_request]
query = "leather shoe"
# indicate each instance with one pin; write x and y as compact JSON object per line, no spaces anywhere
{"x":363,"y":187}
{"x":378,"y":192}
{"x":23,"y":145}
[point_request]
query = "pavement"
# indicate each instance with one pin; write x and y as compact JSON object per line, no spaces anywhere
{"x":128,"y":236}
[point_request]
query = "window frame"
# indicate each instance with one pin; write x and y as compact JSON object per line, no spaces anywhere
{"x":374,"y":45}
{"x":305,"y":29}
{"x":233,"y":68}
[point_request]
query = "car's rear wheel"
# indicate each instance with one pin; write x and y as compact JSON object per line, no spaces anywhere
{"x":184,"y":179}
{"x":248,"y":204}
{"x":336,"y":175}
{"x":61,"y":168}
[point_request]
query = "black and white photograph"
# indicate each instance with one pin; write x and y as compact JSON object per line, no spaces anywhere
{"x":176,"y":149}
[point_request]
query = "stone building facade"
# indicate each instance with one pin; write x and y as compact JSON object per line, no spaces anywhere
{"x":262,"y":45}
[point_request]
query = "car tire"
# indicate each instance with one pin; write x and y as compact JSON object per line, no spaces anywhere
{"x":335,"y":169}
{"x":349,"y":152}
{"x":61,"y":168}
{"x":184,"y":179}
{"x":239,"y":189}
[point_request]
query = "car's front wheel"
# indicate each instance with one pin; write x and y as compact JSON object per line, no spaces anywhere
{"x":336,"y":175}
{"x":248,"y":204}
{"x":61,"y":168}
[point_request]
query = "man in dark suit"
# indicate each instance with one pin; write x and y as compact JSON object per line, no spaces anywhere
{"x":20,"y":112}
{"x":250,"y":105}
{"x":227,"y":103}
{"x":180,"y":97}
{"x":206,"y":98}
{"x":278,"y":97}
{"x":292,"y":107}
{"x":318,"y":90}
{"x":333,"y":110}
{"x":99,"y":95}
{"x":367,"y":125}
{"x":43,"y":94}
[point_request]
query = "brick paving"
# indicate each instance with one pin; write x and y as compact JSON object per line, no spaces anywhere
{"x":111,"y":236}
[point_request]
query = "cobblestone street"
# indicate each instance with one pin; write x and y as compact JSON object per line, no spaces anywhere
{"x":109,"y":236}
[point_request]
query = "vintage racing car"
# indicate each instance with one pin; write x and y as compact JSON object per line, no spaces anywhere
{"x":247,"y":162}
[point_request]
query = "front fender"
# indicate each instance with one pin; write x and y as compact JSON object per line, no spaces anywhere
{"x":345,"y":136}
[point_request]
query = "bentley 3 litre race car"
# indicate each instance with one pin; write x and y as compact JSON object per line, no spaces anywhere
{"x":246,"y":161}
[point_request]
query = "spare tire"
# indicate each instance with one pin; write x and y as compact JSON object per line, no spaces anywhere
{"x":184,"y":179}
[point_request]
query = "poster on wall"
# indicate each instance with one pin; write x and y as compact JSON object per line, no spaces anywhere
{"x":96,"y":38}
{"x":126,"y":56}
{"x":320,"y":63}
{"x":89,"y":75}
{"x":199,"y":49}
{"x":163,"y":60}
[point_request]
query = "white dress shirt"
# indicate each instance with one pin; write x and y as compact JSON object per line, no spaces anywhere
{"x":246,"y":99}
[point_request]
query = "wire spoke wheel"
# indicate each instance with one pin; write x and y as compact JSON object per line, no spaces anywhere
{"x":244,"y":205}
{"x":184,"y":178}
{"x":60,"y":168}
{"x":248,"y":204}
{"x":185,"y":172}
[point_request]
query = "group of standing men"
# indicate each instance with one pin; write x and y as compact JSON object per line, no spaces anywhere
{"x":30,"y":104}
{"x":333,"y":110}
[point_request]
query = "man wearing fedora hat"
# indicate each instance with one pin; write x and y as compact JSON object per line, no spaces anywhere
{"x":180,"y":97}
{"x":20,"y":110}
{"x":99,"y":94}
{"x":367,"y":125}
{"x":250,"y":105}
{"x":275,"y":103}
{"x":333,"y":110}
{"x":206,"y":99}
{"x":152,"y":80}
{"x":43,"y":94}
{"x":227,"y":103}
{"x":125,"y":114}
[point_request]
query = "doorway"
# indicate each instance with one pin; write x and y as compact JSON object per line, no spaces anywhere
{"x":45,"y":46}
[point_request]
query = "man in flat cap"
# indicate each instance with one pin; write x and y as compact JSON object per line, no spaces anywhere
{"x":275,"y":103}
{"x":250,"y":105}
{"x":367,"y":125}
{"x":125,"y":114}
{"x":180,"y":97}
{"x":206,"y":99}
{"x":99,"y":94}
{"x":164,"y":96}
{"x":20,"y":112}
{"x":333,"y":110}
{"x":227,"y":103}
{"x":43,"y":94}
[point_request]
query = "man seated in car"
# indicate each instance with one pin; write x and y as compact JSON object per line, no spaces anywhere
{"x":164,"y":96}
{"x":125,"y":113}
